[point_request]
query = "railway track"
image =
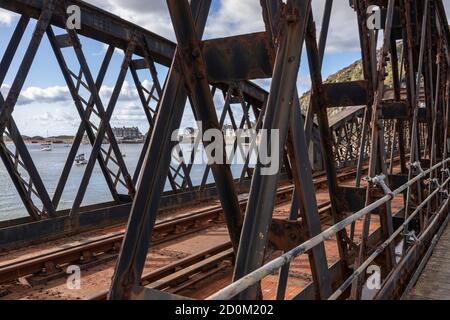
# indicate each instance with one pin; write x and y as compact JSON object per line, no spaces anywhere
{"x":177,"y":275}
{"x":88,"y":253}
{"x":47,"y":267}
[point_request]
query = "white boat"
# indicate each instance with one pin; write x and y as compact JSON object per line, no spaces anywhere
{"x":80,"y":160}
{"x":47,"y":145}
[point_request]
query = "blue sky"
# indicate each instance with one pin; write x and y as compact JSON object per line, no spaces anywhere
{"x":45,"y":104}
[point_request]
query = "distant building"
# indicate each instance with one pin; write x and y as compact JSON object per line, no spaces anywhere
{"x":128,"y":134}
{"x":123,"y":135}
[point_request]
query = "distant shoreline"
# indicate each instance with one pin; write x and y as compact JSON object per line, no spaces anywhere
{"x":64,"y":141}
{"x":31,"y":143}
{"x":38,"y":139}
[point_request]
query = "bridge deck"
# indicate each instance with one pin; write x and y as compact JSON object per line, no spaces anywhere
{"x":434,"y":283}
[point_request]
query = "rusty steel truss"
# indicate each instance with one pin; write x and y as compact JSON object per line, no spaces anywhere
{"x":377,"y":124}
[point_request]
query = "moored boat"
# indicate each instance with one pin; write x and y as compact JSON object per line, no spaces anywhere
{"x":80,"y":160}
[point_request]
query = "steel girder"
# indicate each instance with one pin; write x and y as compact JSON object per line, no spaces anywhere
{"x":94,"y":116}
{"x":408,"y":120}
{"x":29,"y":184}
{"x":418,"y":118}
{"x":383,"y":128}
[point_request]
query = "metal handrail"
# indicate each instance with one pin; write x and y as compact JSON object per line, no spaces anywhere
{"x":256,"y":276}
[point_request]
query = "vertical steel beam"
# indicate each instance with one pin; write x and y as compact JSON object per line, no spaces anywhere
{"x":336,"y":198}
{"x":262,"y":194}
{"x":368,"y":41}
{"x":415,"y":92}
{"x":303,"y":197}
{"x":309,"y":121}
{"x":145,"y":104}
{"x":156,"y":166}
{"x":377,"y":158}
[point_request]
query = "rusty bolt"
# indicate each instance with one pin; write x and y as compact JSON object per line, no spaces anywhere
{"x":291,"y":18}
{"x":196,"y":52}
{"x":199,"y":74}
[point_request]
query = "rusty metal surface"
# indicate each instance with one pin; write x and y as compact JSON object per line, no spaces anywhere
{"x":377,"y":123}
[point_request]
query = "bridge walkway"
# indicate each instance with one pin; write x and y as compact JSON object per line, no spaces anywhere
{"x":434,"y":282}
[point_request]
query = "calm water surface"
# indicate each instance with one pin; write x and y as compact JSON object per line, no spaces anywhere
{"x":50,"y":166}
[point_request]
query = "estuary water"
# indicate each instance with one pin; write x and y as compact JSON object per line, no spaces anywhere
{"x":50,"y":166}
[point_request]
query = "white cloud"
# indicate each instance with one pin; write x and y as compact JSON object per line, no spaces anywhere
{"x":57,"y":94}
{"x":343,"y":32}
{"x":6,"y":17}
{"x":31,"y":95}
{"x":57,"y":116}
{"x":49,"y":121}
{"x":44,"y":95}
{"x":128,"y":92}
{"x":4,"y":90}
{"x":234,"y":17}
{"x":63,"y":117}
{"x":153,"y":16}
{"x":230,"y":17}
{"x":130,"y":113}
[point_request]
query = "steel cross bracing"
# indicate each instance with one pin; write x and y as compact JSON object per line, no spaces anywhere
{"x":422,"y":28}
{"x":145,"y":51}
{"x":384,"y":131}
{"x":43,"y":204}
{"x":378,"y":124}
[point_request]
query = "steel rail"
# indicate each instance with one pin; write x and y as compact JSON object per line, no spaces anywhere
{"x":164,"y":231}
{"x":161,"y":279}
{"x":162,"y":273}
{"x":167,"y":230}
{"x":260,"y":273}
